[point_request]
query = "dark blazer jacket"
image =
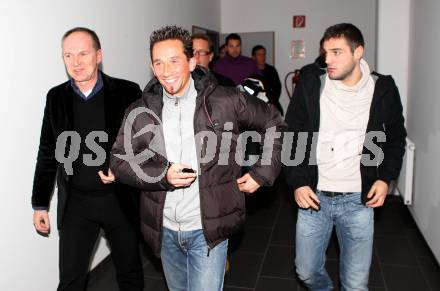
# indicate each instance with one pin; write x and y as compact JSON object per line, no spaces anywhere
{"x":58,"y":117}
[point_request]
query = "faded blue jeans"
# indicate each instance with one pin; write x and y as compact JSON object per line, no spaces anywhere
{"x":189,"y":264}
{"x":354,"y":224}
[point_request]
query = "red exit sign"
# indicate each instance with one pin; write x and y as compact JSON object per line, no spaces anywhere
{"x":299,"y":21}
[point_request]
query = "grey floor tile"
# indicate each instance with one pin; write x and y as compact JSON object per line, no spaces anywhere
{"x":288,"y":211}
{"x":418,"y":243}
{"x":431,"y":272}
{"x":264,"y":217}
{"x":393,"y":207}
{"x":389,"y":227}
{"x":255,"y":239}
{"x":278,"y":284}
{"x":284,"y":229}
{"x":376,"y":277}
{"x":400,"y":278}
{"x":395,"y":251}
{"x":284,"y":233}
{"x":244,"y":268}
{"x":279,"y":262}
{"x":401,"y":260}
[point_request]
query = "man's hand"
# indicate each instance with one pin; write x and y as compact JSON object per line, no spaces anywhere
{"x":247,"y":184}
{"x":110,"y":178}
{"x":178,"y":179}
{"x":41,"y":221}
{"x":377,"y":194}
{"x":306,"y":198}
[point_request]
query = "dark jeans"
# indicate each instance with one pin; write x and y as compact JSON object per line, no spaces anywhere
{"x":85,"y":216}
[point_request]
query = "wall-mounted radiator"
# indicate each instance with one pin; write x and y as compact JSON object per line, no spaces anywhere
{"x":405,"y":180}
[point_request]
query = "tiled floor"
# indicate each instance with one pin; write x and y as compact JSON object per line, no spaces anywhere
{"x":262,"y":256}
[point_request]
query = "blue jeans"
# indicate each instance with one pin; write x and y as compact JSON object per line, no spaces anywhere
{"x":354,"y":223}
{"x":188,"y":262}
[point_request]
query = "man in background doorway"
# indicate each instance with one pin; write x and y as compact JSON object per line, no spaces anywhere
{"x":203,"y":54}
{"x":234,"y":65}
{"x":271,"y":80}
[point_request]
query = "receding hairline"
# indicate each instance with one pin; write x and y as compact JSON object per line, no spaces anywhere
{"x":80,"y":32}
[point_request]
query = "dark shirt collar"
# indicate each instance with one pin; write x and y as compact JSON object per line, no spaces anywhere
{"x":98,"y":86}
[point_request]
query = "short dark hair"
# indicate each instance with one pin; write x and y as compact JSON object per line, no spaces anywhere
{"x":93,"y":35}
{"x":351,"y":33}
{"x":257,"y":48}
{"x":172,"y":32}
{"x":205,"y":37}
{"x":232,"y":36}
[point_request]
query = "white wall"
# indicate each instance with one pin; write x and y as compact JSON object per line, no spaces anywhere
{"x":31,"y":65}
{"x":253,"y":16}
{"x":423,"y":121}
{"x":393,"y":27}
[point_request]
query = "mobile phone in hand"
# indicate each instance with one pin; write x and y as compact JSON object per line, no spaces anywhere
{"x":187,"y":170}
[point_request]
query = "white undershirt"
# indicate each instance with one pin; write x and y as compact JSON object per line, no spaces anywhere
{"x":87,"y":93}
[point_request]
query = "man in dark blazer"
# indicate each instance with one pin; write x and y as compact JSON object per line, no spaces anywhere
{"x":80,"y":123}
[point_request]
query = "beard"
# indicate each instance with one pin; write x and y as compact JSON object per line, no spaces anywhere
{"x":344,"y":74}
{"x":170,"y":89}
{"x":176,"y":88}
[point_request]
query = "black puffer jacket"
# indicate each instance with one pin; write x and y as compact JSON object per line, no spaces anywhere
{"x":222,"y":204}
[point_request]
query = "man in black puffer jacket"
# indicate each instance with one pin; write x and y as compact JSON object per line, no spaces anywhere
{"x":178,"y":144}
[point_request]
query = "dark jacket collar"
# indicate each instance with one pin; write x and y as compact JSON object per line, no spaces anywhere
{"x":312,"y":76}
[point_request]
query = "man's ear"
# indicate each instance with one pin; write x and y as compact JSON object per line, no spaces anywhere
{"x":211,"y":56}
{"x":99,"y":56}
{"x":192,"y":64}
{"x":358,"y":52}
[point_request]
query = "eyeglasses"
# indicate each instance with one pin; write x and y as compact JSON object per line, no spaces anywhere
{"x":201,"y":53}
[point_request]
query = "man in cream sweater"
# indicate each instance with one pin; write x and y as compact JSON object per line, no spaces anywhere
{"x":356,"y":116}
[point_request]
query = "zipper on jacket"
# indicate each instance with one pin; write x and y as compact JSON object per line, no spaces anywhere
{"x":177,"y":103}
{"x":205,"y":94}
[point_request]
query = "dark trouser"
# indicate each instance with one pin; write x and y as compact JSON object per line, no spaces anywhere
{"x":85,"y":216}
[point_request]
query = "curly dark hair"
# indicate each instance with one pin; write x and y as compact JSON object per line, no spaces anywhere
{"x":172,"y":32}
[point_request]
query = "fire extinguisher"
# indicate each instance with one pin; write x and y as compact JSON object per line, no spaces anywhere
{"x":293,"y":83}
